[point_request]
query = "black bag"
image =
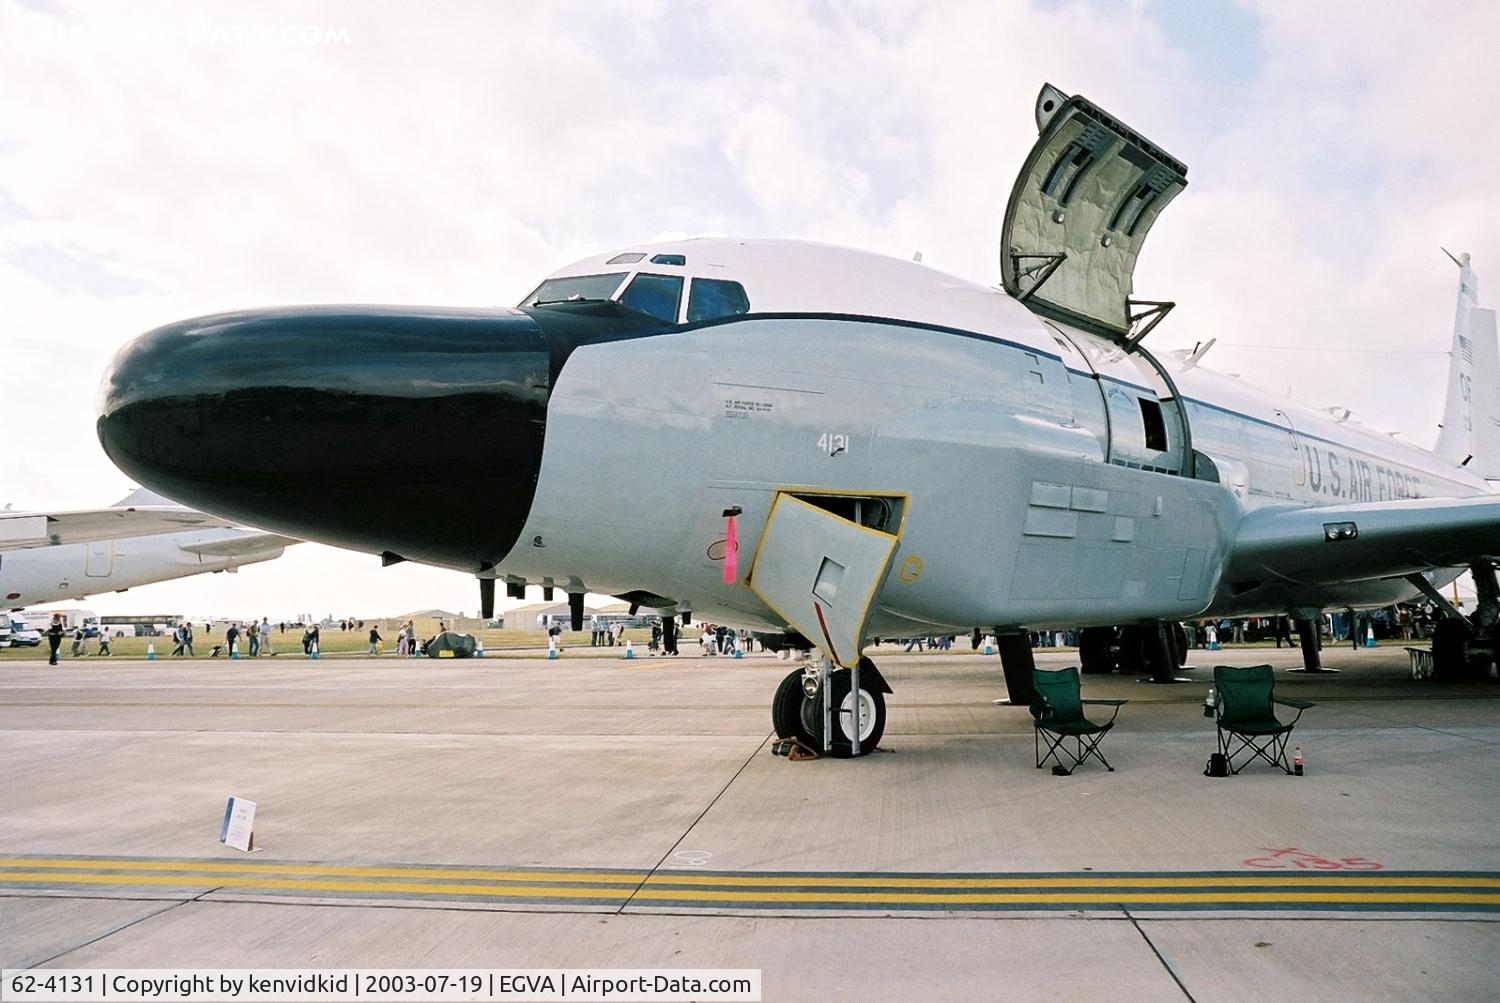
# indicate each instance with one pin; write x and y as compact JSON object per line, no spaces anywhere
{"x":1218,"y":766}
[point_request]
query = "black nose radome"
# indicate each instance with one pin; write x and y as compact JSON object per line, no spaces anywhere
{"x":410,"y":430}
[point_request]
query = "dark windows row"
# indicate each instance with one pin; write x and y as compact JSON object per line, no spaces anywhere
{"x":657,"y":295}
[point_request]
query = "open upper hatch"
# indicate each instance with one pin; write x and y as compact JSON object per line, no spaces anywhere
{"x":1080,"y":211}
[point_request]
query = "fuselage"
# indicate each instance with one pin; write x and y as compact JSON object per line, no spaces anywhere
{"x":592,"y":439}
{"x":962,"y":400}
{"x":74,"y":571}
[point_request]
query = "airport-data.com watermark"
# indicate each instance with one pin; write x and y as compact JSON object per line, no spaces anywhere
{"x":204,"y":35}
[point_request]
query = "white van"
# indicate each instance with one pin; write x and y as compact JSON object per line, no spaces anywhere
{"x":23,"y":633}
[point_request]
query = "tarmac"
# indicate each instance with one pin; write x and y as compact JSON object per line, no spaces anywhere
{"x":611,"y":813}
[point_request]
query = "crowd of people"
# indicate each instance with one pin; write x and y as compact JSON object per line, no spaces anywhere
{"x":254,"y":639}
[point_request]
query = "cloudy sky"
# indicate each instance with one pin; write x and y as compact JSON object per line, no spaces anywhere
{"x":162,"y":160}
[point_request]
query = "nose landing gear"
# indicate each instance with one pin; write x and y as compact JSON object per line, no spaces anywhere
{"x":798,"y":711}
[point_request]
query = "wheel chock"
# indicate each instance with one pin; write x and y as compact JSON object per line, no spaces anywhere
{"x":792,"y":750}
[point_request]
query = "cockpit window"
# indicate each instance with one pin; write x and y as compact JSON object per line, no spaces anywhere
{"x":657,"y":295}
{"x":576,"y":287}
{"x":710,"y":298}
{"x":669,"y":259}
{"x":626,"y":258}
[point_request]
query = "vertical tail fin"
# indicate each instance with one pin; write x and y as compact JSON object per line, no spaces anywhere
{"x":1470,"y":433}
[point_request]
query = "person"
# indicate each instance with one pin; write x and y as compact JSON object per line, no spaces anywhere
{"x":401,"y":646}
{"x":177,"y":641}
{"x":232,"y":639}
{"x":411,"y":638}
{"x":596,"y":633}
{"x":919,"y":642}
{"x":104,"y":643}
{"x":54,"y":638}
{"x":555,"y":632}
{"x":265,"y":636}
{"x":252,"y":632}
{"x":375,"y":640}
{"x":655,"y":643}
{"x":1283,"y":631}
{"x":187,"y":637}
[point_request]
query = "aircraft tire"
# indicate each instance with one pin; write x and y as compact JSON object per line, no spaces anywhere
{"x":1451,"y":661}
{"x":1132,"y":658}
{"x":811,"y":717}
{"x":1093,"y":650}
{"x":786,"y":710}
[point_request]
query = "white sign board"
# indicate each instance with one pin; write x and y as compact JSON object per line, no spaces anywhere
{"x":238,"y":830}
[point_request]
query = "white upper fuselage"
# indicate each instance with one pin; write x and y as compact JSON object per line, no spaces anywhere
{"x":1290,"y":452}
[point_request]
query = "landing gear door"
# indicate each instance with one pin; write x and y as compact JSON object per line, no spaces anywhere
{"x":820,"y":571}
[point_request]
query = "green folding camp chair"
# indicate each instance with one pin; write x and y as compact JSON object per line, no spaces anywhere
{"x":1057,"y":713}
{"x":1244,"y":702}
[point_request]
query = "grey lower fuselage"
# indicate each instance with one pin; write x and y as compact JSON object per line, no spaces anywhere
{"x":1032,"y":493}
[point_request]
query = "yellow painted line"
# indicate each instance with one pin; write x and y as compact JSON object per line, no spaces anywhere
{"x":1249,"y":880}
{"x":1362,"y":879}
{"x":365,"y":887}
{"x":210,"y":867}
{"x":542,"y":892}
{"x":918,"y":898}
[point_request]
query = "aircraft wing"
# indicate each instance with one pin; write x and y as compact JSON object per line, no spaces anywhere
{"x":250,"y":543}
{"x":1345,"y":543}
{"x":24,"y":530}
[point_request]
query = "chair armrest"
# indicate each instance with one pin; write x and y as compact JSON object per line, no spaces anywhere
{"x":1116,"y":704}
{"x":1294,"y":704}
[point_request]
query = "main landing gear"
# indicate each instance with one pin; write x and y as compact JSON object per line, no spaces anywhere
{"x":799,"y":712}
{"x":1157,"y":650}
{"x":1464,"y":648}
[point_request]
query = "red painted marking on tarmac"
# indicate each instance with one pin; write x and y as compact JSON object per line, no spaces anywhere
{"x":1292,"y":858}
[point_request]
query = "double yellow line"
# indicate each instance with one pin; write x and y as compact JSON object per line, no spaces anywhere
{"x":1364,"y":891}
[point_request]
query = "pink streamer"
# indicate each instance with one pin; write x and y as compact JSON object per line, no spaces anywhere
{"x":731,"y":552}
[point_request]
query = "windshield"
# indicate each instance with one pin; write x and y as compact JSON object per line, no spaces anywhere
{"x":657,"y":295}
{"x":577,"y":287}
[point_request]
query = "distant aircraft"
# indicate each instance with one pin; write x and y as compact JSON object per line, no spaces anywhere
{"x":795,"y":437}
{"x":144,"y":538}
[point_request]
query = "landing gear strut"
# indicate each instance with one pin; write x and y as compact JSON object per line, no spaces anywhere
{"x":1017,"y":663}
{"x":1464,"y":649}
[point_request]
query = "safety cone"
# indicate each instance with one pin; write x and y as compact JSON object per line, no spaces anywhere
{"x":1369,"y":637}
{"x":739,"y":652}
{"x":479,"y":650}
{"x":150,"y":651}
{"x":234,"y":651}
{"x":989,"y":645}
{"x":313,"y":652}
{"x":551,"y":647}
{"x":1297,"y":760}
{"x":629,"y":650}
